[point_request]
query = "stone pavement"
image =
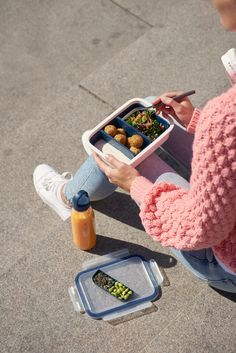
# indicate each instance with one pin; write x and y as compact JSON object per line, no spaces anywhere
{"x":64,"y":66}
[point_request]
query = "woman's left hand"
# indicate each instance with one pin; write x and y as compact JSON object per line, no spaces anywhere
{"x":119,"y":173}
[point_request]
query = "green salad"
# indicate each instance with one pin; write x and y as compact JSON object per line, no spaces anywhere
{"x":146,"y":122}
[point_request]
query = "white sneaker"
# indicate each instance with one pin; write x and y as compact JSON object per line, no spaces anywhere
{"x":48,"y":185}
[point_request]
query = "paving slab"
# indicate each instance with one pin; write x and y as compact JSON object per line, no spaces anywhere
{"x":53,"y":138}
{"x":36,"y":310}
{"x":161,"y":13}
{"x":64,"y":66}
{"x":207,"y":326}
{"x":182,"y":54}
{"x":48,"y":47}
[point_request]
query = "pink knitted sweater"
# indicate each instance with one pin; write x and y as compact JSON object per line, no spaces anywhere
{"x":205,"y":215}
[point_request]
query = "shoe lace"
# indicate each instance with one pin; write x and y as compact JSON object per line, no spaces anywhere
{"x":51,"y":182}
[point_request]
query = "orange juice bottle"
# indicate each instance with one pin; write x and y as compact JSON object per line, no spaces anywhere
{"x":83,"y":221}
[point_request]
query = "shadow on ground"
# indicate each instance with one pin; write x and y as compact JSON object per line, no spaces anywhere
{"x":106,"y":245}
{"x":121,"y":207}
{"x":227,"y":295}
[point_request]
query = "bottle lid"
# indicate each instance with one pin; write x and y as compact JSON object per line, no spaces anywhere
{"x":81,"y":201}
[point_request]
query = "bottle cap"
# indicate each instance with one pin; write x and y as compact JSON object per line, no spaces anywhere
{"x":81,"y":201}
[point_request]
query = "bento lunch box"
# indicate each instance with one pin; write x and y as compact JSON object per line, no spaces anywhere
{"x":98,"y":141}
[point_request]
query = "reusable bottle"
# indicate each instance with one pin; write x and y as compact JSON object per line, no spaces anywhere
{"x":83,"y":221}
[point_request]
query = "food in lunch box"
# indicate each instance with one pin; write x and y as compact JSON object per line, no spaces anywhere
{"x":135,"y":141}
{"x":110,"y":130}
{"x":120,"y":138}
{"x":120,"y":130}
{"x":135,"y":150}
{"x":146,"y":122}
{"x":109,"y":284}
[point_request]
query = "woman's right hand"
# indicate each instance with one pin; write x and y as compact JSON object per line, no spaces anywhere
{"x":181,"y":111}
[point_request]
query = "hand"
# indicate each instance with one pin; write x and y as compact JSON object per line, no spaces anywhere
{"x":120,"y":173}
{"x":182,"y":111}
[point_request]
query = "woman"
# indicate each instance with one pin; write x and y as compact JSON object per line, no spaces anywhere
{"x":196,"y":220}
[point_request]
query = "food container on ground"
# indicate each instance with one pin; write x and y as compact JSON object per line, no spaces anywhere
{"x":144,"y":277}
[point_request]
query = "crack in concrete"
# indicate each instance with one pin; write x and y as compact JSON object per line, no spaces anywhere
{"x":95,"y":96}
{"x":131,"y":13}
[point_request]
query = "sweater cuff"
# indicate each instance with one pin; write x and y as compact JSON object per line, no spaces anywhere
{"x":139,"y":188}
{"x":194,"y":120}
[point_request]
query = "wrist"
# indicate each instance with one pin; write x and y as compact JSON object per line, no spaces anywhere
{"x":132,"y":179}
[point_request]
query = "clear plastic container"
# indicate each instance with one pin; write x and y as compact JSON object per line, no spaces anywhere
{"x":142,"y":276}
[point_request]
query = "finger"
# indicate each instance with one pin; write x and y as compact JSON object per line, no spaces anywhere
{"x":102,"y":165}
{"x":114,"y":161}
{"x":172,"y":103}
{"x":165,"y":115}
{"x":166,"y":94}
{"x":172,"y":94}
{"x":156,"y":101}
{"x":167,"y":110}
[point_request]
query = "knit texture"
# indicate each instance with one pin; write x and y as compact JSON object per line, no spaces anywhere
{"x":205,"y":215}
{"x":194,"y":120}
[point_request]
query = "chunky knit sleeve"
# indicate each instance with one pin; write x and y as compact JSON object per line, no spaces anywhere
{"x":194,"y":120}
{"x":204,"y":215}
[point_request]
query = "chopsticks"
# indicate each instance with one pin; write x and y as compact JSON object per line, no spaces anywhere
{"x":176,"y":98}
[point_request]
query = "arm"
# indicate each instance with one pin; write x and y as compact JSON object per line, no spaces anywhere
{"x":203,"y":216}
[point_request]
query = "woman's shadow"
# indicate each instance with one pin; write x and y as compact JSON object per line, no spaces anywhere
{"x":121,"y":207}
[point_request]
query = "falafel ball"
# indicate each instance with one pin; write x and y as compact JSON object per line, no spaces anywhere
{"x":120,"y":138}
{"x":135,"y":150}
{"x":135,"y":141}
{"x":120,"y":130}
{"x":127,"y":143}
{"x":110,"y":130}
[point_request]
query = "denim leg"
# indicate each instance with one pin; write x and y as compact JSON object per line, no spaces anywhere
{"x":203,"y":264}
{"x":90,"y":178}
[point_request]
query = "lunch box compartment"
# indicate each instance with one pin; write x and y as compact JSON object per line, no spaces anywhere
{"x":134,"y":107}
{"x":102,"y":135}
{"x":157,"y":117}
{"x":113,"y":282}
{"x":130,"y":131}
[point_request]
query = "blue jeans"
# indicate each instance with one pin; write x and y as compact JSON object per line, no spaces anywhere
{"x":89,"y":177}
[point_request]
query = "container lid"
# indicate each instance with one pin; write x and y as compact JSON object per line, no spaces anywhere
{"x":133,"y":271}
{"x":81,"y":201}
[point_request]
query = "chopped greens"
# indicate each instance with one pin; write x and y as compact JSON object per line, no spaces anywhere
{"x":146,"y":122}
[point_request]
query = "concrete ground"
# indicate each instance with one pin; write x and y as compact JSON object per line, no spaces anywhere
{"x":64,"y":66}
